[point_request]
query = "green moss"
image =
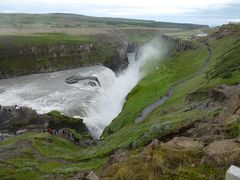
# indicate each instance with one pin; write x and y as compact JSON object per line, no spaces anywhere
{"x":227,"y":62}
{"x":23,"y":168}
{"x":59,"y":121}
{"x":94,"y":164}
{"x":233,"y":127}
{"x":26,"y":136}
{"x":53,"y":146}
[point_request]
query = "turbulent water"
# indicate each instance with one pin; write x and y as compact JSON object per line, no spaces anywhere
{"x":97,"y":105}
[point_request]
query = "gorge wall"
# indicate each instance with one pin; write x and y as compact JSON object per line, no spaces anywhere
{"x":23,"y":60}
{"x":15,"y":61}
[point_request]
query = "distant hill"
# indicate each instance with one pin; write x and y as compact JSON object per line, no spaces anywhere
{"x":73,"y":20}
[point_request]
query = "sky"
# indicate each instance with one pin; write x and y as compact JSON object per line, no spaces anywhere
{"x":211,"y":12}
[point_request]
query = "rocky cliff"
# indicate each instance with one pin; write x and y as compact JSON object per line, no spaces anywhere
{"x":15,"y":61}
{"x":178,"y":44}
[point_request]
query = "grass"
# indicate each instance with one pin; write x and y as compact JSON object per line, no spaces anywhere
{"x":80,"y":21}
{"x":164,"y":163}
{"x":54,"y":156}
{"x":59,"y":121}
{"x":51,"y":146}
{"x":225,"y":62}
{"x":12,"y":140}
{"x":233,"y":127}
{"x":41,"y":39}
{"x":189,"y":34}
{"x":141,"y":37}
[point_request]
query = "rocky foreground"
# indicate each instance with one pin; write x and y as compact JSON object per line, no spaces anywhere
{"x":209,"y":142}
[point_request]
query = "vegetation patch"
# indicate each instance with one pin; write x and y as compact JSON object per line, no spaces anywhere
{"x":59,"y":121}
{"x":233,"y":127}
{"x":41,"y":39}
{"x":164,"y":163}
{"x":226,"y":63}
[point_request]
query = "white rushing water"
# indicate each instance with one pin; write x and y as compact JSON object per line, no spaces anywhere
{"x":97,"y":105}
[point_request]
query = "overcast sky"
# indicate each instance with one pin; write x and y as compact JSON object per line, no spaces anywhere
{"x":212,"y":12}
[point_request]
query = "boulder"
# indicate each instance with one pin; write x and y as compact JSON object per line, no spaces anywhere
{"x":224,"y":152}
{"x":91,"y":83}
{"x":185,"y":142}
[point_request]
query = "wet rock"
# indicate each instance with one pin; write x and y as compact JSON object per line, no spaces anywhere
{"x":91,"y":83}
{"x":76,"y":79}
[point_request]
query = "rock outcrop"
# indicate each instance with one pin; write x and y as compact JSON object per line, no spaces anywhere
{"x":75,"y":79}
{"x":17,"y":120}
{"x":227,"y":30}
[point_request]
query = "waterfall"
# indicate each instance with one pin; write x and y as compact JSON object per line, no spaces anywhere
{"x":97,"y":104}
{"x":109,"y":103}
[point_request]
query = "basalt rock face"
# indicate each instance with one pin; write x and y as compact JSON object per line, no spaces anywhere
{"x":120,"y":58}
{"x":29,"y":60}
{"x":178,"y":44}
{"x":16,"y":61}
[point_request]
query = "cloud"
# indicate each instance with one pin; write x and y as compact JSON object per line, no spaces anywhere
{"x":142,"y":9}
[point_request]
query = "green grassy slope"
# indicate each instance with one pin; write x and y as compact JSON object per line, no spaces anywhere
{"x":62,"y":157}
{"x":42,"y":39}
{"x":224,"y":60}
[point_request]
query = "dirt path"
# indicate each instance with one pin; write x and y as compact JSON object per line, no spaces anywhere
{"x":169,"y":94}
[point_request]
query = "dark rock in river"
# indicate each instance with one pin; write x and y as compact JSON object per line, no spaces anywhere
{"x":91,"y":83}
{"x":75,"y":79}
